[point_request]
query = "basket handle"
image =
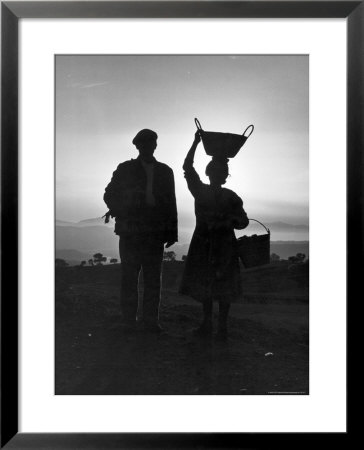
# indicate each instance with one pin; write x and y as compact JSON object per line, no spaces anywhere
{"x":198,"y":125}
{"x":247,"y":128}
{"x":266,"y":229}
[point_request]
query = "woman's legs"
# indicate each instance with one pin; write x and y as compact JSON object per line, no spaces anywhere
{"x":206,"y":326}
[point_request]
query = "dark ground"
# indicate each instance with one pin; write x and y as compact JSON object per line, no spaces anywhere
{"x":267,"y":351}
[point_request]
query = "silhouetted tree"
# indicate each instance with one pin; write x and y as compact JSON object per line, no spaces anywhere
{"x":61,"y":262}
{"x":83,"y":263}
{"x":298,"y":259}
{"x":169,"y":256}
{"x":91,"y":262}
{"x":113,"y":260}
{"x":99,"y":259}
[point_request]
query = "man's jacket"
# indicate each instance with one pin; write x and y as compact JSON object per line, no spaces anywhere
{"x":125,"y":197}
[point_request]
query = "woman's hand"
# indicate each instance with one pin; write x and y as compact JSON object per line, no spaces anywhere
{"x":188,"y":164}
{"x":197,"y":137}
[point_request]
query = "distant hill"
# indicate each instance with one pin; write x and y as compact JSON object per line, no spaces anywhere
{"x":89,"y":239}
{"x":73,"y":257}
{"x":284,"y":226}
{"x":285,"y":249}
{"x":97,"y":221}
{"x":93,"y":235}
{"x":64,"y":223}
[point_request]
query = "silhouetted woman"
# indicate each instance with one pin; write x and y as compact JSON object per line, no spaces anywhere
{"x":212,"y":267}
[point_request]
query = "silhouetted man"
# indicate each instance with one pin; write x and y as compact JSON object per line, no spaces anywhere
{"x":142,"y":199}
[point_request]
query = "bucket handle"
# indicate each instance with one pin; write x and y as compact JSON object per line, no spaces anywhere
{"x":266,"y":229}
{"x":198,"y":125}
{"x":247,"y":128}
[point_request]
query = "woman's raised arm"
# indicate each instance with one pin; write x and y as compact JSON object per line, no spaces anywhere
{"x":193,"y":180}
{"x":188,"y":163}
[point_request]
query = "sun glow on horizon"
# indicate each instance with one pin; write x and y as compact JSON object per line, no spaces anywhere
{"x":103,"y":101}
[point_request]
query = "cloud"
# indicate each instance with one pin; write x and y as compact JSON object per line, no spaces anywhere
{"x":86,"y":86}
{"x":91,"y":85}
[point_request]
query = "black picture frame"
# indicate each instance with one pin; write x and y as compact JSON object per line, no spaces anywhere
{"x":11,"y":12}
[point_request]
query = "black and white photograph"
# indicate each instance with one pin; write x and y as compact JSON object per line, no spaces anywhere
{"x":182,"y":224}
{"x":181,"y":216}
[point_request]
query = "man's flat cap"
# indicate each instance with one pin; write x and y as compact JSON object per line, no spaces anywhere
{"x":145,"y":135}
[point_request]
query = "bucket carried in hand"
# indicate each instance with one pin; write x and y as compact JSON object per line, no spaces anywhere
{"x":222,"y":144}
{"x":254,"y":250}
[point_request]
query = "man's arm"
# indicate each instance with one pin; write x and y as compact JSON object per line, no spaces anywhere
{"x":113,"y":191}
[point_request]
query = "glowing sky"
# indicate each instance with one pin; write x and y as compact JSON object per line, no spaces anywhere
{"x":103,"y":101}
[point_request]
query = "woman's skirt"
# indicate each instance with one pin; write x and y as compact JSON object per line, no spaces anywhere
{"x":212,"y":269}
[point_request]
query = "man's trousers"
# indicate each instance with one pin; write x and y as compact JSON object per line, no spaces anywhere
{"x":141,"y":251}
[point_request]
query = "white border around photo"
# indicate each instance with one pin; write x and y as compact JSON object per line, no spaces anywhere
{"x":324,"y":409}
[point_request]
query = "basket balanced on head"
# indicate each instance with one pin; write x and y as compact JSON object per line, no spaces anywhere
{"x":223,"y":145}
